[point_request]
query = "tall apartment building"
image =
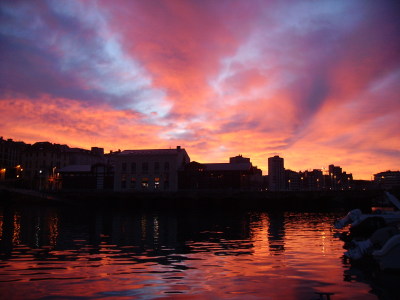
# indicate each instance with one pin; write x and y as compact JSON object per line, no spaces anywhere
{"x":276,"y":173}
{"x":149,"y":170}
{"x":337,"y":179}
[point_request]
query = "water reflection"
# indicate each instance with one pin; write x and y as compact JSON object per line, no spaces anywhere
{"x":276,"y":232}
{"x":177,"y":255}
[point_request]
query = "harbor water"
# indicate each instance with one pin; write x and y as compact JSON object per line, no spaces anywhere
{"x":63,"y":252}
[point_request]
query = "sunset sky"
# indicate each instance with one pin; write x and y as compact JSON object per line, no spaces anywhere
{"x":316,"y":82}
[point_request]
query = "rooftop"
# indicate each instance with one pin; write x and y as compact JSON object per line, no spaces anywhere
{"x":228,"y":167}
{"x":152,"y":151}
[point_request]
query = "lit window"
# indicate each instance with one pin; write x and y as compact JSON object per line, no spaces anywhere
{"x":145,"y":183}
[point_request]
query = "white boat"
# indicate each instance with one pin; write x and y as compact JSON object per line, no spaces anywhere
{"x":388,"y":256}
{"x":366,"y":229}
{"x":356,"y":217}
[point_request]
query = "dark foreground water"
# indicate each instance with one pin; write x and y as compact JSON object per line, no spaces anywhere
{"x":65,"y":253}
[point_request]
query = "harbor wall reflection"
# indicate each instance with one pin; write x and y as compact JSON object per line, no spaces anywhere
{"x":154,"y":233}
{"x":143,"y":231}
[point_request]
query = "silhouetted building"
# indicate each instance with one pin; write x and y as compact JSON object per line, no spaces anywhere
{"x":10,"y":159}
{"x":338,"y":180}
{"x":149,"y":170}
{"x":78,"y":156}
{"x":239,"y":160}
{"x":37,"y":165}
{"x":96,"y":177}
{"x":10,"y":153}
{"x":292,"y":181}
{"x":312,"y":180}
{"x":238,"y":174}
{"x":235,"y":175}
{"x":43,"y":160}
{"x":110,"y":158}
{"x":363,"y":185}
{"x":276,"y":173}
{"x":387,"y":180}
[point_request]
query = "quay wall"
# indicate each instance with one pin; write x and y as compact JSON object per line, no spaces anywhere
{"x":192,"y":200}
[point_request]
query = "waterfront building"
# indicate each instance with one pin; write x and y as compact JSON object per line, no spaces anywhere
{"x":10,"y":158}
{"x":43,"y":160}
{"x":86,"y":177}
{"x":37,"y":165}
{"x":387,"y":180}
{"x":276,"y":173}
{"x":149,"y":170}
{"x":238,"y":174}
{"x":363,"y":185}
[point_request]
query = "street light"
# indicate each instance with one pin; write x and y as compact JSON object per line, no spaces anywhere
{"x":40,"y":179}
{"x":54,"y":179}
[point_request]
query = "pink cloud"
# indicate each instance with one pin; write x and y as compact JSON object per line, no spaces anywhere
{"x":317,"y":86}
{"x":71,"y":122}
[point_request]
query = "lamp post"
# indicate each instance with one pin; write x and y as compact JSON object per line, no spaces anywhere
{"x":40,"y":179}
{"x":54,"y":179}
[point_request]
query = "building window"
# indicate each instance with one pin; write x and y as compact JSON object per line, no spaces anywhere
{"x":166,"y":185}
{"x":145,"y":183}
{"x":123,"y":182}
{"x":156,"y":183}
{"x":133,"y":182}
{"x":133,"y":168}
{"x":156,"y":167}
{"x":166,"y":166}
{"x":124,"y":167}
{"x":145,"y":167}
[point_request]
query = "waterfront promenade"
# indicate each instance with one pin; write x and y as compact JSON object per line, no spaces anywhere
{"x":182,"y":200}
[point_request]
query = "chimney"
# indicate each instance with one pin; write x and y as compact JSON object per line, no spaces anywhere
{"x":178,"y":148}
